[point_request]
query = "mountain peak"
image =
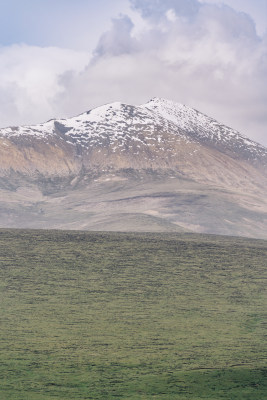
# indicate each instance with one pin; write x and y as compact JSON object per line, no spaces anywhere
{"x":202,"y":128}
{"x":171,"y":110}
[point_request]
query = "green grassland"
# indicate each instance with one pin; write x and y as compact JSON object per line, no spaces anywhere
{"x":131,"y":316}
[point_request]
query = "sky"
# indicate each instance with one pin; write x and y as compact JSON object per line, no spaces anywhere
{"x":59,"y":58}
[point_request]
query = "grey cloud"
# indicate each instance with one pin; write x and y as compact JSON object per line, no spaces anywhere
{"x":232,"y":24}
{"x":118,"y":40}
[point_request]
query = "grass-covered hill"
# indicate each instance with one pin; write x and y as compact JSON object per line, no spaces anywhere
{"x":131,"y":316}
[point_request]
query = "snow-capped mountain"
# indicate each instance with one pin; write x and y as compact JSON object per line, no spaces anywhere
{"x":116,"y":125}
{"x":160,"y":141}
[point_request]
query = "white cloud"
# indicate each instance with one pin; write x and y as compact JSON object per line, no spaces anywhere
{"x":170,"y":14}
{"x":30,"y":79}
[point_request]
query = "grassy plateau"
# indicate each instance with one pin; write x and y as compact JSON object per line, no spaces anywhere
{"x":131,"y":316}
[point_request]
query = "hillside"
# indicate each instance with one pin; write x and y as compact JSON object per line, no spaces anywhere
{"x":131,"y":316}
{"x":161,"y":166}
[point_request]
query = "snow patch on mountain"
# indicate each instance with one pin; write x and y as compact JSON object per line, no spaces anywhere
{"x":40,"y":130}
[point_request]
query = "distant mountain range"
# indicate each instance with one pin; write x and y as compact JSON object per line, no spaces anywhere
{"x":161,"y":166}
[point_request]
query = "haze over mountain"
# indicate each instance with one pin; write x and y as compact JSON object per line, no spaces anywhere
{"x":161,"y":166}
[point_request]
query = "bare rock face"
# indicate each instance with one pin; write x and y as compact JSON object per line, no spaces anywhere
{"x":158,"y":166}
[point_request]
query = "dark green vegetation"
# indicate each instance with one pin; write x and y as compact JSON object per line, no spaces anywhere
{"x":131,"y":316}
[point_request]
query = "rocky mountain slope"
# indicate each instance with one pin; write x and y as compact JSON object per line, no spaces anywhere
{"x":158,"y":166}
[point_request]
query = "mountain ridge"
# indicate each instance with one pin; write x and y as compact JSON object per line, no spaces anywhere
{"x":163,"y":145}
{"x":184,"y":117}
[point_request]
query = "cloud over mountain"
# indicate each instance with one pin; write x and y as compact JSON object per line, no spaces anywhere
{"x":207,"y":56}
